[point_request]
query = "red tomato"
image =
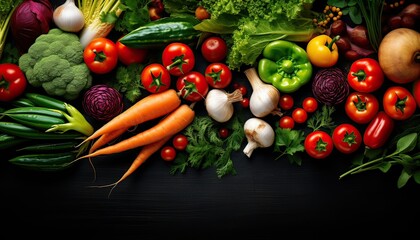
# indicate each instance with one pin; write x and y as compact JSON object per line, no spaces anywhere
{"x":310,"y":104}
{"x":201,"y":13}
{"x":245,"y":102}
{"x":155,"y":78}
{"x":101,"y":55}
{"x":223,"y":132}
{"x":318,"y":144}
{"x":12,"y":82}
{"x":214,"y":49}
{"x":299,"y":115}
{"x":168,"y":153}
{"x":192,"y":86}
{"x":361,"y":107}
{"x":286,"y":102}
{"x":416,"y":91}
{"x":180,"y":141}
{"x":399,"y":103}
{"x":286,"y":122}
{"x":347,"y":138}
{"x":178,"y":58}
{"x":218,"y":75}
{"x":378,"y":131}
{"x":128,"y":55}
{"x":365,"y":75}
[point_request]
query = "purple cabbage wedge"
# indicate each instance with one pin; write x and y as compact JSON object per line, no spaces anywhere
{"x":102,"y":102}
{"x":330,"y":86}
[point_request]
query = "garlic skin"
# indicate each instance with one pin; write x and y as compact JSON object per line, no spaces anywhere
{"x":219,"y":104}
{"x":68,"y":17}
{"x":264,"y":98}
{"x":259,"y":134}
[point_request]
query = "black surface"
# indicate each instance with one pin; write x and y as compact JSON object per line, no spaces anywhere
{"x":267,"y":199}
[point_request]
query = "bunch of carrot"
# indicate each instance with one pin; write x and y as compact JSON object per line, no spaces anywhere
{"x":166,"y":104}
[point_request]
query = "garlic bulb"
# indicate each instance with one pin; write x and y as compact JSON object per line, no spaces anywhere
{"x":219,"y":103}
{"x":264,"y":98}
{"x":259,"y":135}
{"x":68,"y":17}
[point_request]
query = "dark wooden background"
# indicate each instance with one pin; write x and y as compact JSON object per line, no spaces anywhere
{"x":267,"y":199}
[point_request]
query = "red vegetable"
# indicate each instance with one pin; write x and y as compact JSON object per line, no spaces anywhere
{"x":361,"y":107}
{"x":178,"y":58}
{"x":12,"y":81}
{"x":101,"y":55}
{"x":318,"y":144}
{"x":365,"y":75}
{"x":30,"y":19}
{"x":378,"y":131}
{"x":347,"y":138}
{"x":399,"y":103}
{"x":102,"y":102}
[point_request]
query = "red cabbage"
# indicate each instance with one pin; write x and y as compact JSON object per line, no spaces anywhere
{"x":102,"y":102}
{"x":330,"y":86}
{"x":30,"y":19}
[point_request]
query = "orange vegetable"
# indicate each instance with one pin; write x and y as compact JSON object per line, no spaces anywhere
{"x":148,"y":108}
{"x":144,"y":154}
{"x":168,"y":126}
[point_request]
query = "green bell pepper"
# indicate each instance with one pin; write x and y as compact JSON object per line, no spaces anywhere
{"x":285,"y":65}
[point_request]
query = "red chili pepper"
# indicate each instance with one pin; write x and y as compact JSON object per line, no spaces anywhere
{"x":378,"y":131}
{"x":12,"y":82}
{"x":365,"y":75}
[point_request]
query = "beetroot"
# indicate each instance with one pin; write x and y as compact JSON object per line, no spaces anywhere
{"x":102,"y":102}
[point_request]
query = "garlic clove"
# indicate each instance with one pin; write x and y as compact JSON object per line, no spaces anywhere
{"x":259,"y":134}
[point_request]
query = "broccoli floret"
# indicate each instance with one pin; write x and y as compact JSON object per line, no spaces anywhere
{"x":55,"y":63}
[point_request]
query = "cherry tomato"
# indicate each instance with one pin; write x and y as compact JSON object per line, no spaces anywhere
{"x":128,"y":55}
{"x":155,"y":78}
{"x":361,"y":107}
{"x":416,"y":91}
{"x":243,"y":89}
{"x":286,"y":102}
{"x":223,"y":132}
{"x":218,"y":75}
{"x":192,"y":86}
{"x":168,"y":153}
{"x":346,"y":138}
{"x":286,"y":122}
{"x":318,"y":144}
{"x":214,"y":49}
{"x":180,"y":142}
{"x":178,"y":58}
{"x":310,"y":104}
{"x":245,"y":102}
{"x":299,"y":115}
{"x":12,"y":82}
{"x":399,"y":103}
{"x":201,"y":13}
{"x":378,"y":131}
{"x":101,"y":55}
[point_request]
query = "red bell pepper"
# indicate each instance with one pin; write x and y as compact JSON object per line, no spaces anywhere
{"x":12,"y":81}
{"x":365,"y":75}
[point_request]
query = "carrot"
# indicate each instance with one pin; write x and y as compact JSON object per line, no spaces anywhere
{"x":148,"y":108}
{"x":144,"y":154}
{"x":106,"y":138}
{"x":168,"y":126}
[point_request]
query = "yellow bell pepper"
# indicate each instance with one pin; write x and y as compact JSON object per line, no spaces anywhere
{"x":322,"y":51}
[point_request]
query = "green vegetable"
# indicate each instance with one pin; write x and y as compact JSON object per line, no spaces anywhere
{"x":51,"y":146}
{"x":289,"y":143}
{"x":206,"y":149}
{"x":285,"y":65}
{"x":162,"y":31}
{"x":38,"y":121}
{"x":348,"y":8}
{"x":46,"y":162}
{"x":250,"y":25}
{"x":372,"y":13}
{"x":22,"y":102}
{"x":7,"y":8}
{"x":136,"y":14}
{"x":34,"y":110}
{"x":126,"y":81}
{"x":22,"y":131}
{"x":322,"y":119}
{"x":55,"y":63}
{"x":8,"y":141}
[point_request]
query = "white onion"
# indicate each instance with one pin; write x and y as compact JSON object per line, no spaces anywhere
{"x":68,"y":17}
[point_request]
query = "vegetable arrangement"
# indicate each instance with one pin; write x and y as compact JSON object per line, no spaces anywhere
{"x":294,"y":74}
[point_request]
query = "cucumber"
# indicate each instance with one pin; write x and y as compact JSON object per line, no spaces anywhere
{"x":161,"y":32}
{"x":46,"y":162}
